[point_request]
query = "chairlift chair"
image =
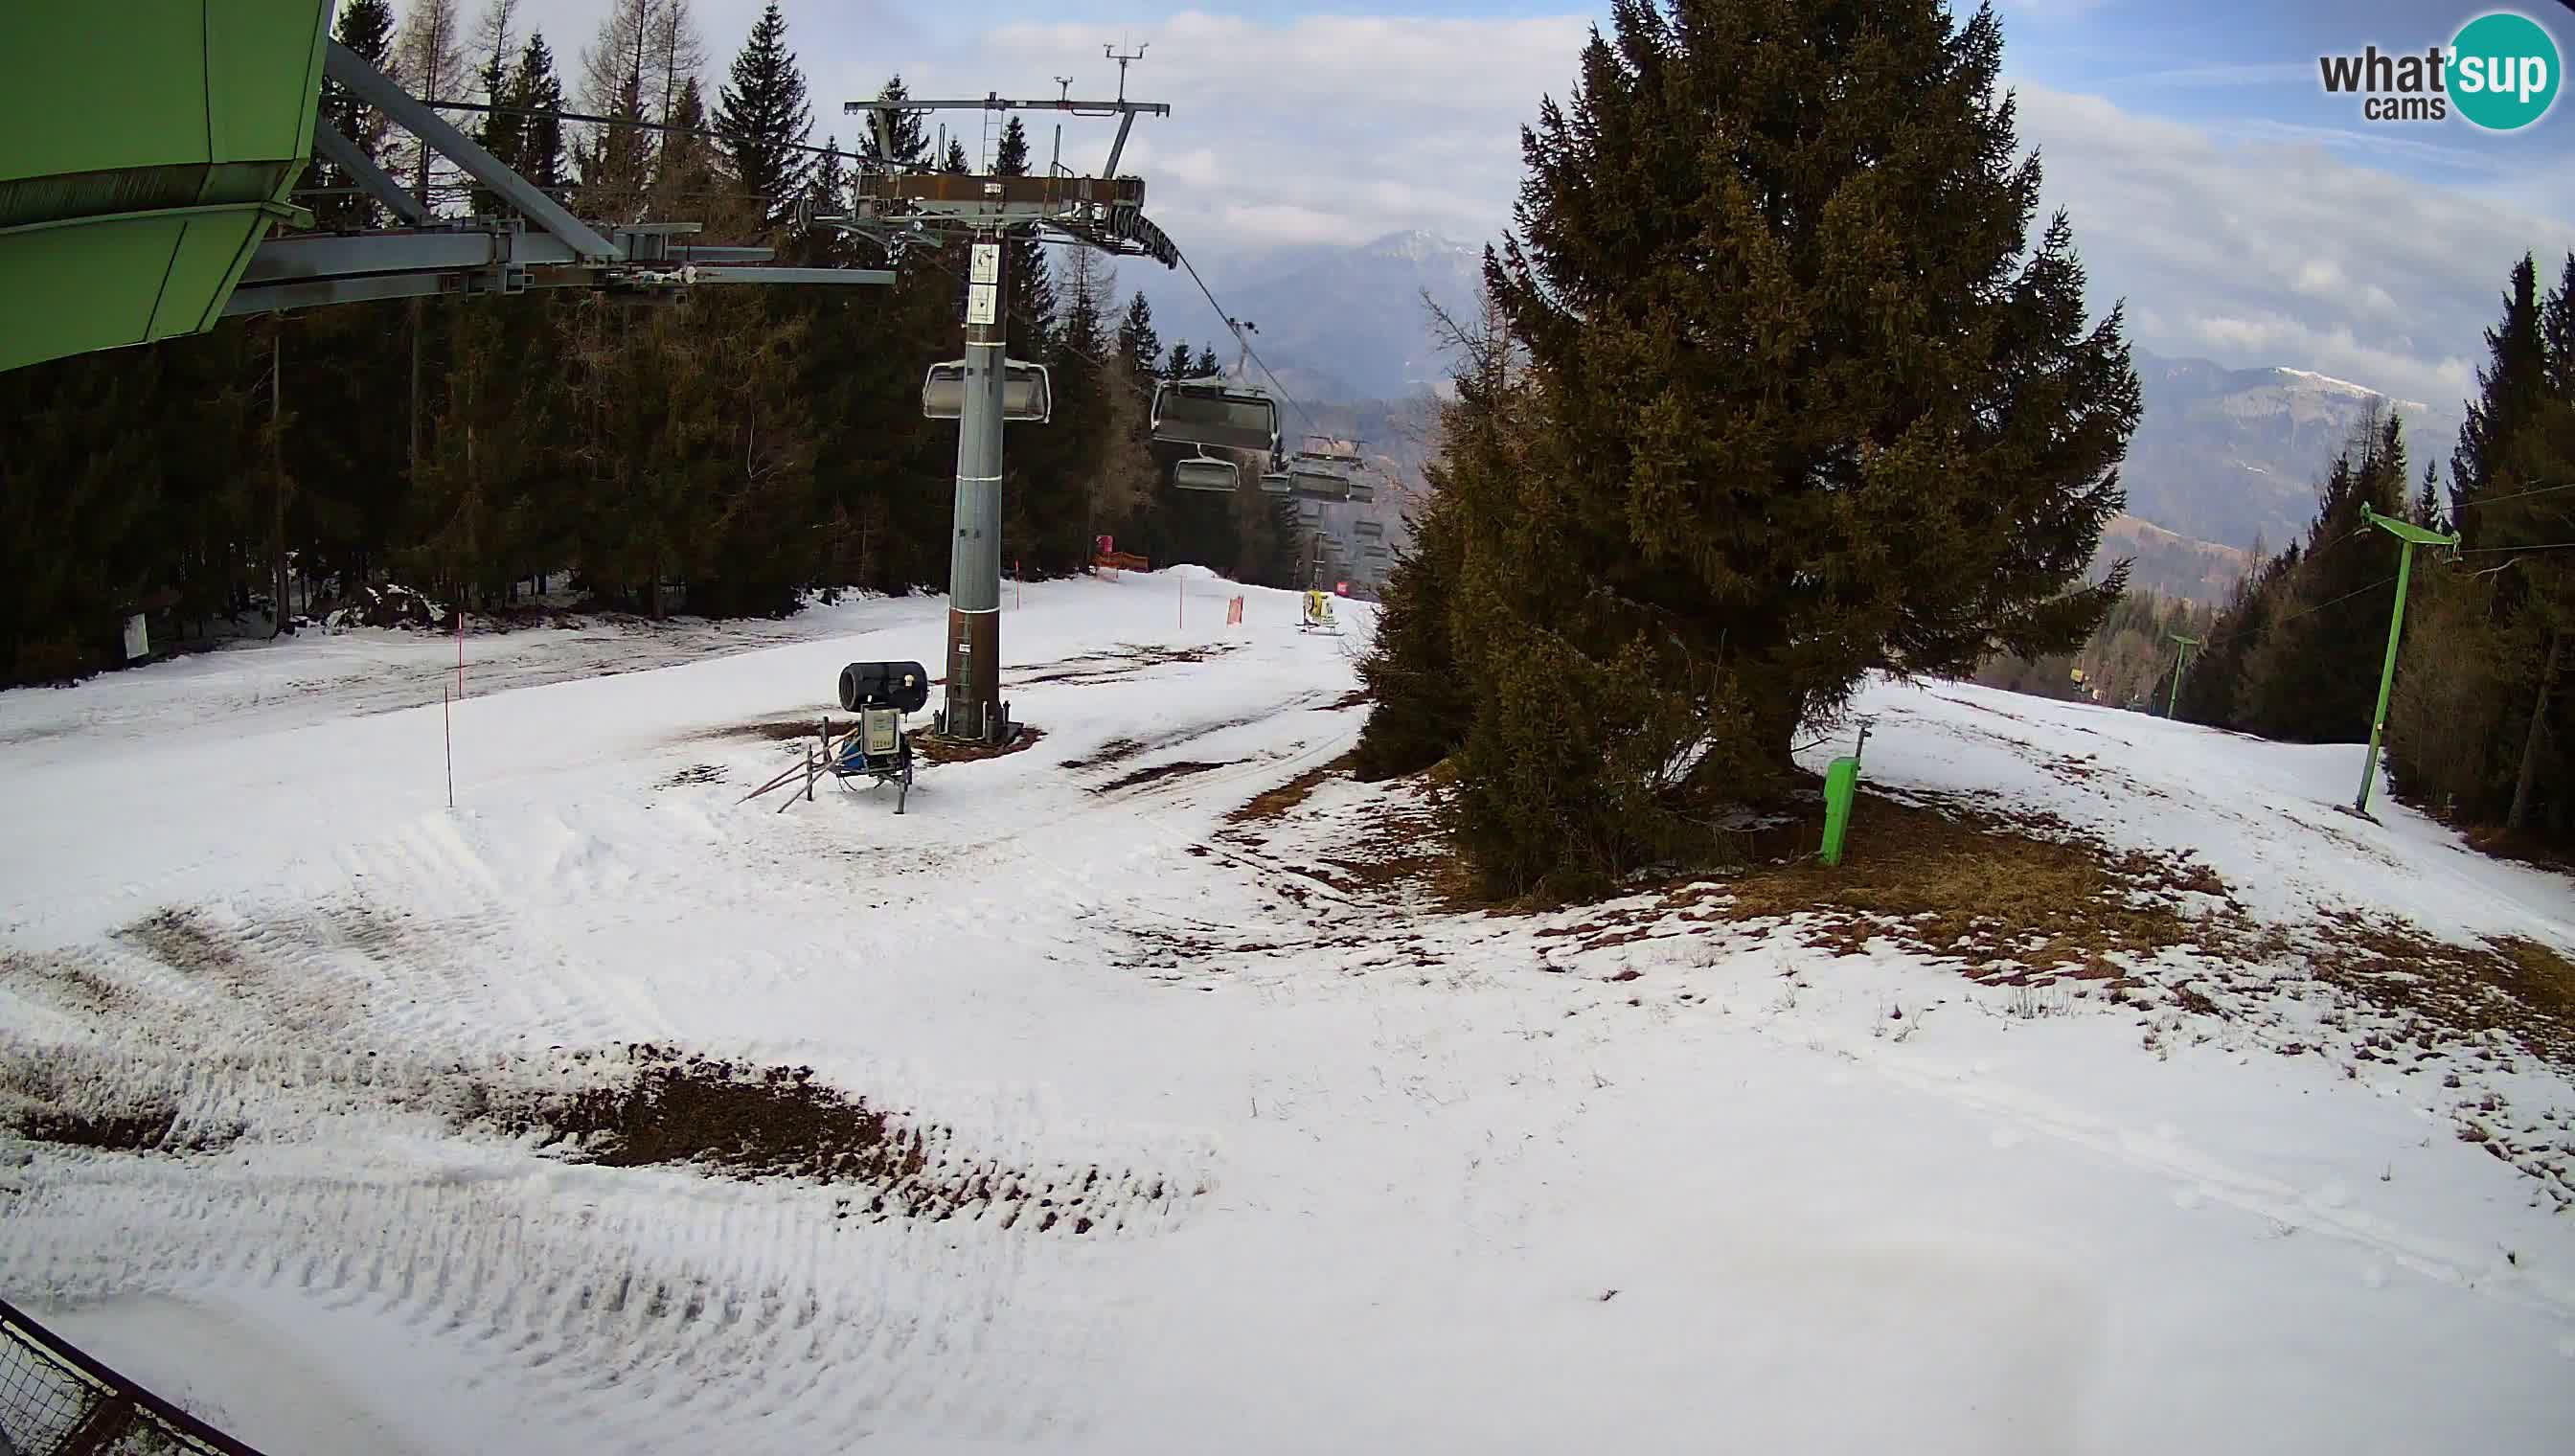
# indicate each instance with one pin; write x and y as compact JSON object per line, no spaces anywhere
{"x":1318,"y":485}
{"x":1277,"y":483}
{"x":1205,"y":472}
{"x":1362,"y":493}
{"x":1027,"y":391}
{"x":1209,"y":412}
{"x":1366,"y":526}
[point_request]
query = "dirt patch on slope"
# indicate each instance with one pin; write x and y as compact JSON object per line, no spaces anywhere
{"x":2510,"y":984}
{"x":1277,"y":803}
{"x":2017,"y":896}
{"x":773,"y":729}
{"x":748,"y":1121}
{"x":1159,"y":772}
{"x":950,"y":751}
{"x":666,"y":1109}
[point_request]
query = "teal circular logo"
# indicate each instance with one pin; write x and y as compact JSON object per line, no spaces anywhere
{"x":2503,"y":71}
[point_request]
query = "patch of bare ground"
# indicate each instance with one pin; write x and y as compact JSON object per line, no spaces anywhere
{"x":63,"y":983}
{"x":2014,"y":897}
{"x":1277,"y":803}
{"x":665,"y":1108}
{"x":695,"y":774}
{"x":951,"y":750}
{"x":1115,"y":751}
{"x":2502,"y":843}
{"x":1118,"y":666}
{"x":775,"y":730}
{"x":2510,"y":984}
{"x":40,"y":1103}
{"x":1158,"y":773}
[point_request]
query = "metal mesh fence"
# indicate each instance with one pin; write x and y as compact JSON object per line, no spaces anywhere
{"x":56,"y":1401}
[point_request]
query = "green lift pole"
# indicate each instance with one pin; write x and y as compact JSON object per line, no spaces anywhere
{"x":2412,"y":536}
{"x":2172,"y":706}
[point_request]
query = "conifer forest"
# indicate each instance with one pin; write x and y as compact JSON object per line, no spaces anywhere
{"x":721,"y":456}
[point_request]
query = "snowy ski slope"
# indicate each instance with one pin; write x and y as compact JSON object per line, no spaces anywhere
{"x":1223,"y":1148}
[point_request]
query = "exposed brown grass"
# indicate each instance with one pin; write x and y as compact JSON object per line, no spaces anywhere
{"x":1115,"y":751}
{"x":1156,"y":774}
{"x":2015,"y":897}
{"x":2512,"y":985}
{"x":1276,"y":803}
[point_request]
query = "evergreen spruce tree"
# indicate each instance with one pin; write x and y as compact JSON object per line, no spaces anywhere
{"x":1814,"y":403}
{"x":1031,"y":300}
{"x":687,"y":181}
{"x":2508,"y":387}
{"x":365,"y":27}
{"x":957,"y":162}
{"x":502,"y":129}
{"x":2312,"y":677}
{"x":537,"y":90}
{"x":1136,"y":341}
{"x":762,"y":115}
{"x":2426,"y":512}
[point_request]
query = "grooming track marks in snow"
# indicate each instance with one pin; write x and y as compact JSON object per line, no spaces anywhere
{"x":1143,"y":1089}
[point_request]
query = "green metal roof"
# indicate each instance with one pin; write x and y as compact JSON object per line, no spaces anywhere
{"x":146,"y":149}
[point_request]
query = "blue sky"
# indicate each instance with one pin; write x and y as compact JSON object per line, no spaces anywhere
{"x":2242,"y":214}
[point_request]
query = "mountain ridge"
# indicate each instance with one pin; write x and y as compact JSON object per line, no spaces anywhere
{"x":2226,"y":456}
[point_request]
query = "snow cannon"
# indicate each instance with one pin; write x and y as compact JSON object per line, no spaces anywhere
{"x":903,"y":687}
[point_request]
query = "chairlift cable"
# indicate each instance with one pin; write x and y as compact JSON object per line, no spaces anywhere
{"x":1252,"y":352}
{"x":2515,"y":496}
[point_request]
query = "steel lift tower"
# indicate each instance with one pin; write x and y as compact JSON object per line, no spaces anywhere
{"x":986,"y":387}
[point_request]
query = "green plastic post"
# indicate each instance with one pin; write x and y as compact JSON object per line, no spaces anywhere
{"x":2172,"y":706}
{"x":2412,"y":536}
{"x":1841,"y":782}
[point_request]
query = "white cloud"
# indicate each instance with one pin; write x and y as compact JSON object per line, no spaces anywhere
{"x":2278,"y":250}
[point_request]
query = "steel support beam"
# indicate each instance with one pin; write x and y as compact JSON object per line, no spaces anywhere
{"x":1003,"y":103}
{"x":371,"y":179}
{"x":357,"y":255}
{"x":373,"y":88}
{"x":727,"y":273}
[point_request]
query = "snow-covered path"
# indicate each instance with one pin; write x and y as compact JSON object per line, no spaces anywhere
{"x":1306,"y":1170}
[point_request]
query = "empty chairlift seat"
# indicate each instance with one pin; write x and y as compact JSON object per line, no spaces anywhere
{"x":1202,"y":472}
{"x":1318,"y":483}
{"x":1369,"y":528}
{"x":1209,"y":411}
{"x":1027,"y":391}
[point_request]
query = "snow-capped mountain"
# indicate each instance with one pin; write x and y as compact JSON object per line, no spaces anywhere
{"x":2230,"y":455}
